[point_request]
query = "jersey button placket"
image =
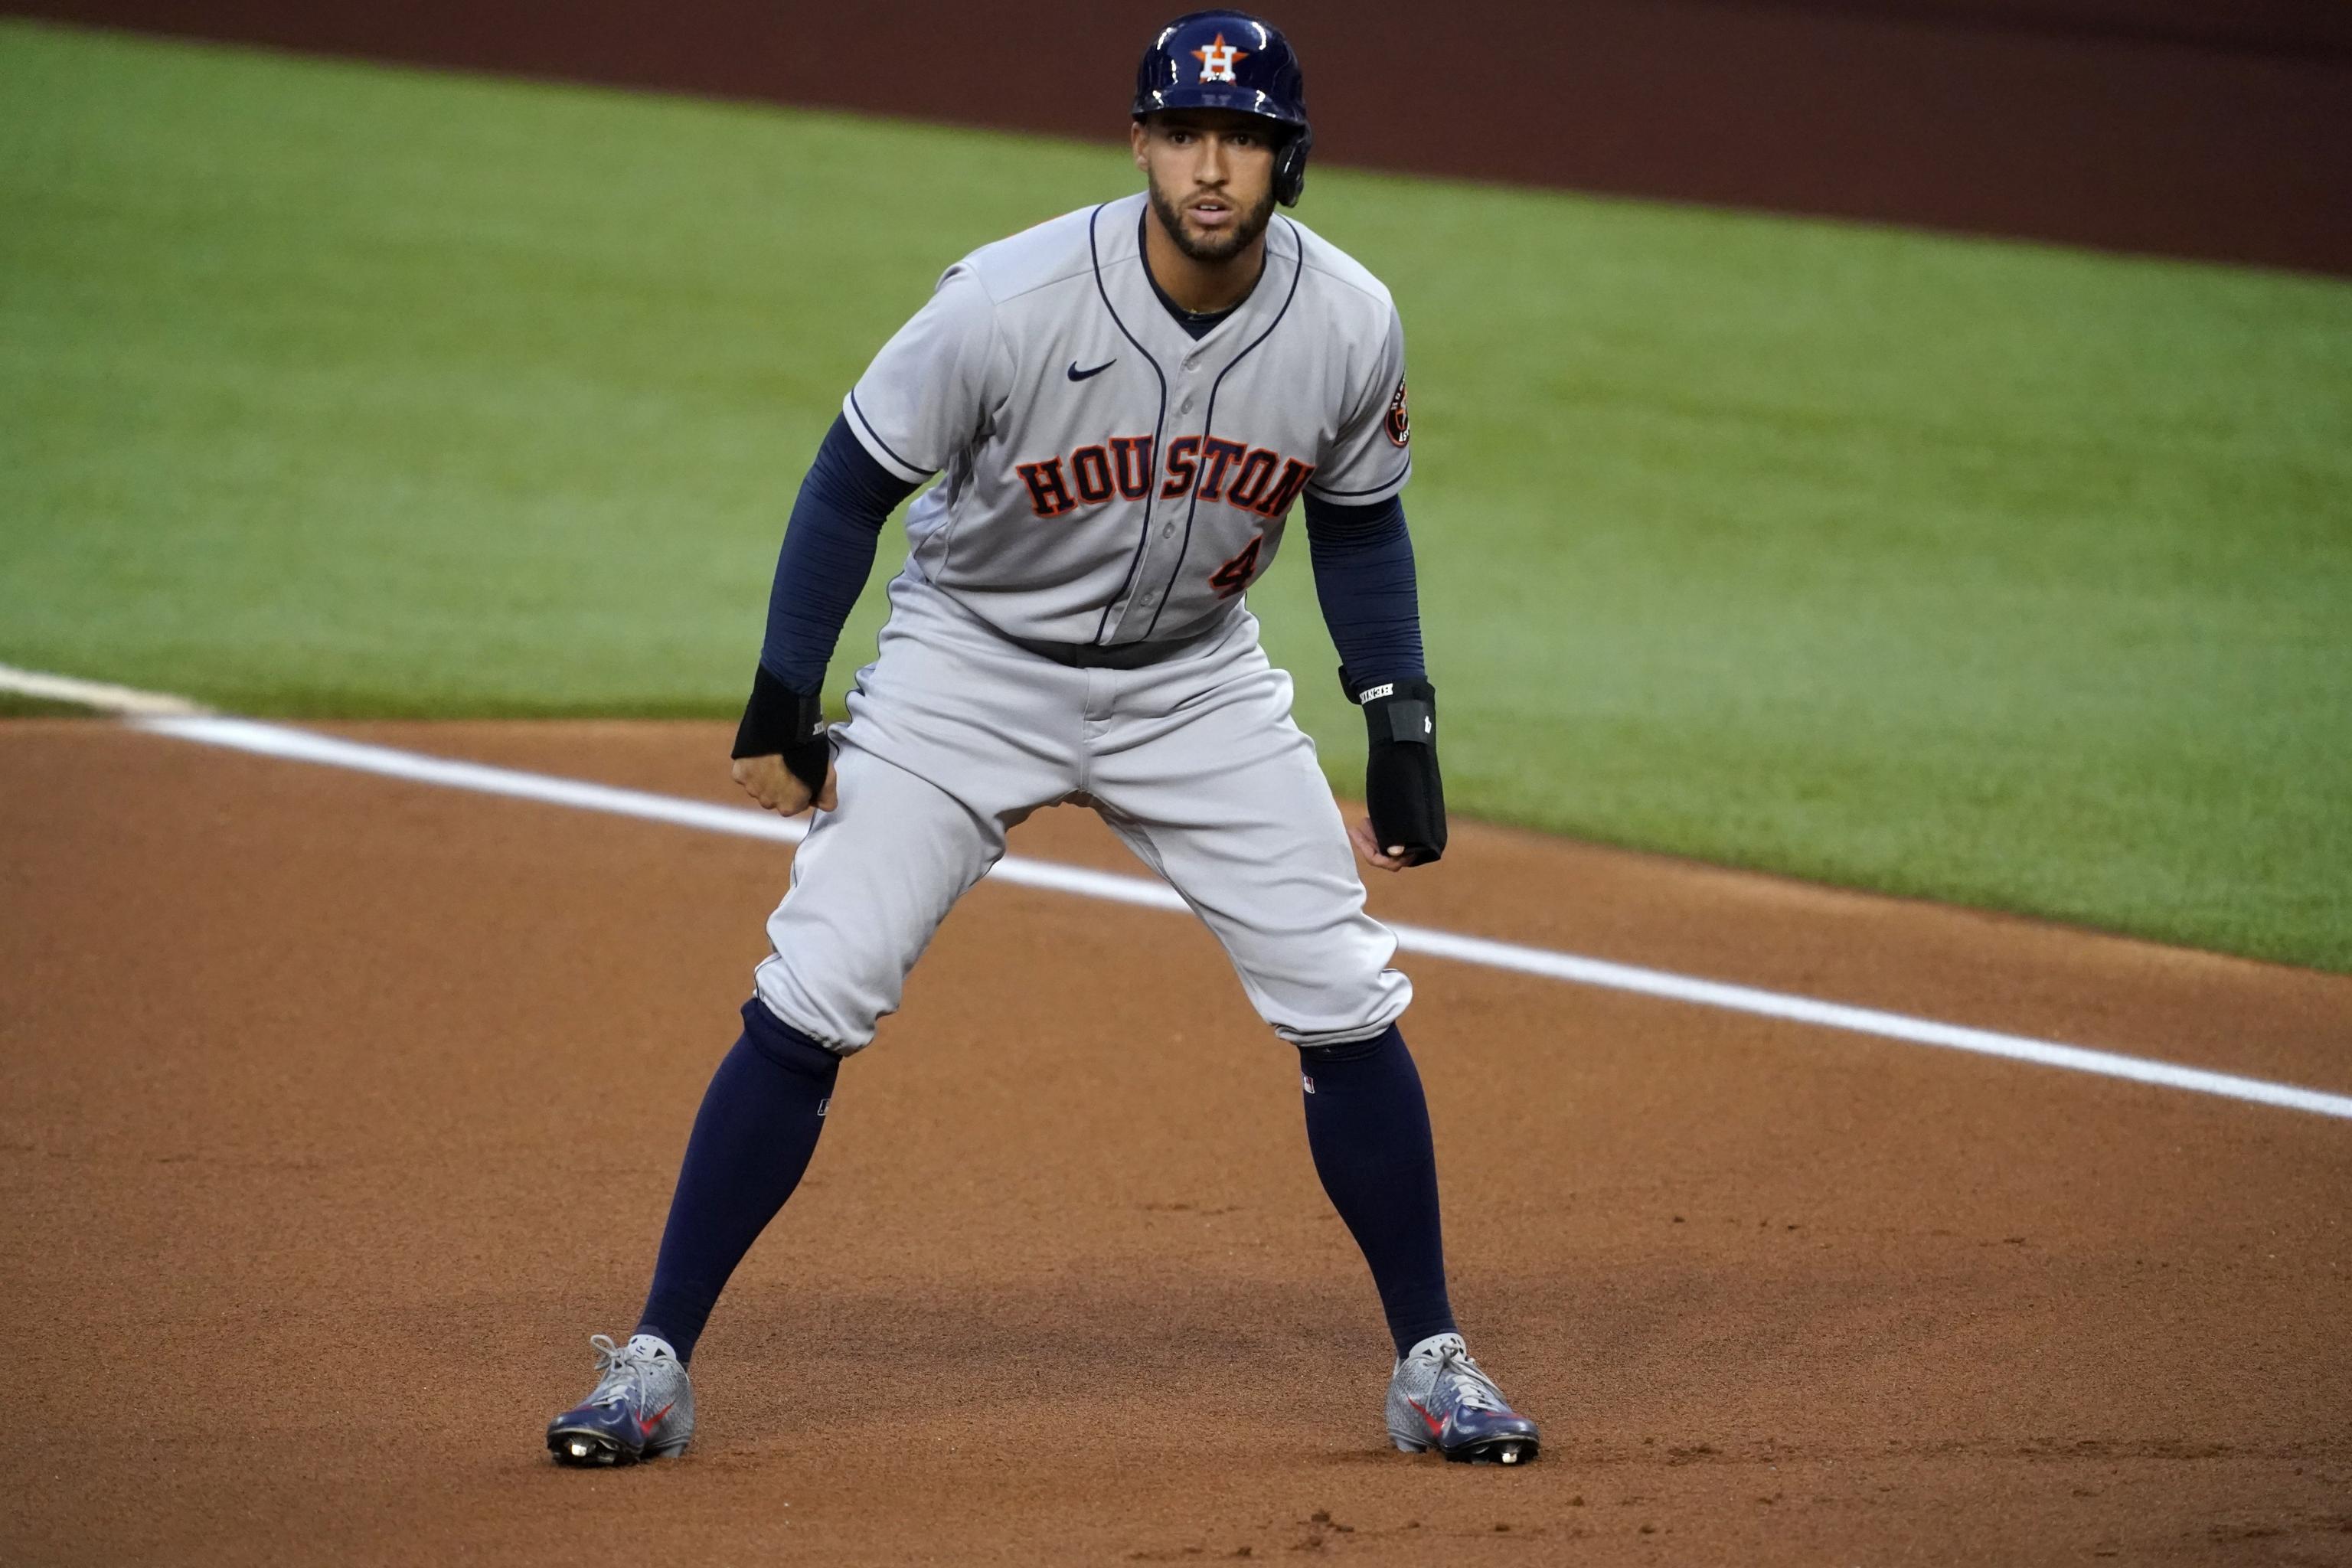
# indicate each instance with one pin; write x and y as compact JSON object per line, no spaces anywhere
{"x":1156,"y":563}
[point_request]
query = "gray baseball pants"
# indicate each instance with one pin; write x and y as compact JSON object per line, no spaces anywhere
{"x":956,"y":734}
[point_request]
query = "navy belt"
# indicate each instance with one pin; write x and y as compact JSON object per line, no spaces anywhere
{"x":1114,"y":656}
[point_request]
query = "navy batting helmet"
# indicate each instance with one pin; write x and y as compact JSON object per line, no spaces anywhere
{"x":1231,"y":60}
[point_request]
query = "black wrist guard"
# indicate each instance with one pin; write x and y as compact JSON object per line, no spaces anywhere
{"x":1402,"y":788}
{"x":780,"y":722}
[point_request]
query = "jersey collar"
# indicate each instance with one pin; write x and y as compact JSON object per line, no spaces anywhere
{"x":1197,"y":324}
{"x":1135,"y":297}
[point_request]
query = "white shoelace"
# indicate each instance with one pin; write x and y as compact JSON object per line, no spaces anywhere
{"x":1473,"y":1387}
{"x":613,"y":1363}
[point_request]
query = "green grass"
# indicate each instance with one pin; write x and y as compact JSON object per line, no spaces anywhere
{"x":1989,"y":573}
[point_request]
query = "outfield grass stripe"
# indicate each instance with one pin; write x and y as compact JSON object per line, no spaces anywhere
{"x":297,"y":745}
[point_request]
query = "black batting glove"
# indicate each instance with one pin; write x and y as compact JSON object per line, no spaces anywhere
{"x":780,"y":722}
{"x":1402,"y":788}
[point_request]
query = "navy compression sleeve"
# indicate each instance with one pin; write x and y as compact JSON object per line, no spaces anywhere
{"x":827,"y":554}
{"x":1362,"y":557}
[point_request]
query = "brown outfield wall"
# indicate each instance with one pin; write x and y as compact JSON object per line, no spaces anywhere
{"x":2151,"y":125}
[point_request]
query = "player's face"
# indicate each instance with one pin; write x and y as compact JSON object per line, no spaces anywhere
{"x":1211,"y":175}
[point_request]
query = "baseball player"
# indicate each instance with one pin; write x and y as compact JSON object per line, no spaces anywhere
{"x":1121,"y":406}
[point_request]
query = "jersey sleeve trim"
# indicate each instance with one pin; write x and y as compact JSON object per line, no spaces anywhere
{"x":1378,"y":492}
{"x":878,"y":448}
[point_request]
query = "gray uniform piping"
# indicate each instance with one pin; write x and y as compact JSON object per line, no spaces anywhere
{"x":1158,"y":430}
{"x":1209,"y":426}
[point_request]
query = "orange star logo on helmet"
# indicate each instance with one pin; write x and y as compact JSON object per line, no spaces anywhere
{"x":1218,"y":59}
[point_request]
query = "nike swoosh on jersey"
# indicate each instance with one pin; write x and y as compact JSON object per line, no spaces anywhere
{"x":1078,"y":375}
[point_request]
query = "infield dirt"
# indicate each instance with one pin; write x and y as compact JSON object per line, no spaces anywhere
{"x":338,"y":1111}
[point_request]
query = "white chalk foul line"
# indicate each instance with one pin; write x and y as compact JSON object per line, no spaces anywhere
{"x":98,"y":694}
{"x":300,"y":745}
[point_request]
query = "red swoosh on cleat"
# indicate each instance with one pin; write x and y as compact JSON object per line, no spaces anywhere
{"x":1436,"y":1428}
{"x":647,"y":1424}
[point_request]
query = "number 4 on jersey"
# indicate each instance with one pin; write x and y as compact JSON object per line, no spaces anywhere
{"x":1234,"y":575}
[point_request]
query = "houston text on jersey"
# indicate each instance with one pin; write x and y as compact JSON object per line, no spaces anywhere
{"x":1254,"y":479}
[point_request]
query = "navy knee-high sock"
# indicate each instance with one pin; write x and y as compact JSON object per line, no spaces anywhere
{"x":753,"y":1139}
{"x":1367,"y":1126}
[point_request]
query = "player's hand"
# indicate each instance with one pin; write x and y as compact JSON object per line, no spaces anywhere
{"x":777,"y":789}
{"x":1368,"y":848}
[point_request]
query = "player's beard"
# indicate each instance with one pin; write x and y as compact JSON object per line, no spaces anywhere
{"x":1213,"y":247}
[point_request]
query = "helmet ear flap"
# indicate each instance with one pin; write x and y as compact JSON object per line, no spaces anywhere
{"x":1290,"y":167}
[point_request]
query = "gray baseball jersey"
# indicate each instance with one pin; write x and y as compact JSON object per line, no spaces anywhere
{"x":1107,"y":477}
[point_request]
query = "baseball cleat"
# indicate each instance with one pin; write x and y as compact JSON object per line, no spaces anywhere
{"x":643,"y":1407}
{"x":1438,"y":1398}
